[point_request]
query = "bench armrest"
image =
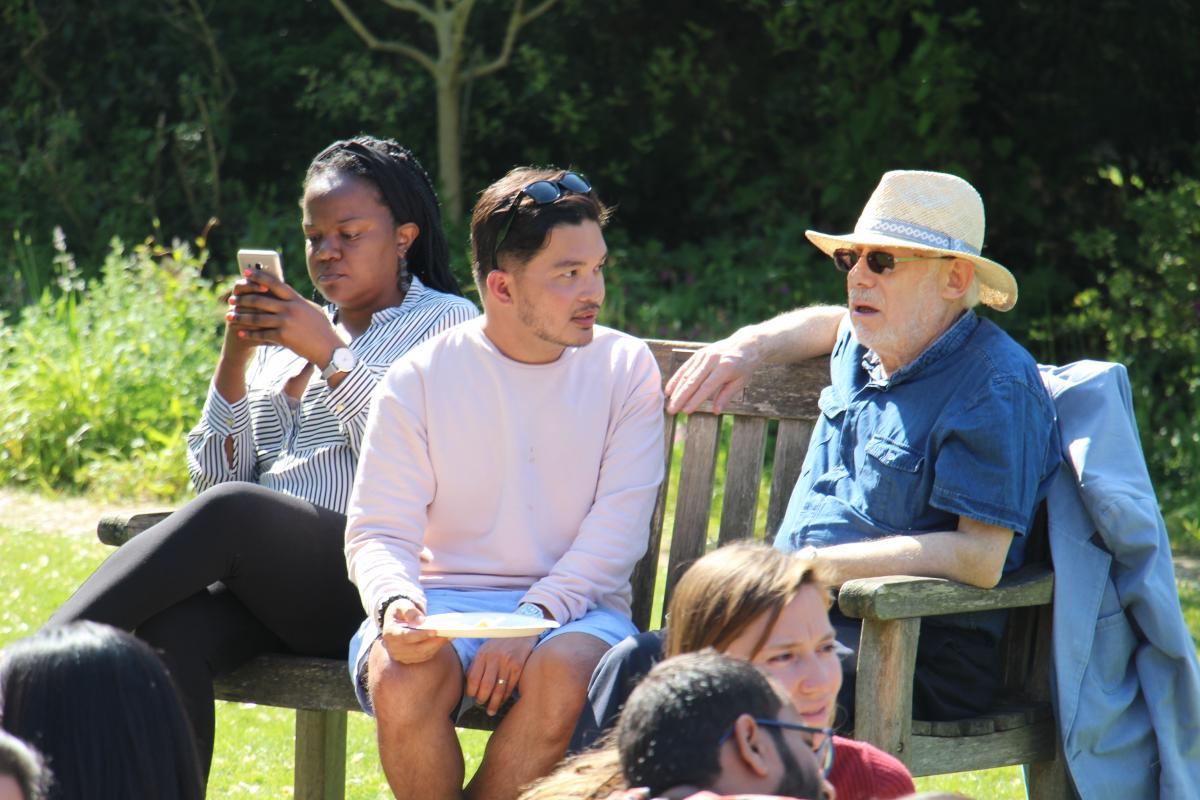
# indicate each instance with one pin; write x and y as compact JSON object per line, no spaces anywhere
{"x":904,"y":597}
{"x":117,"y":530}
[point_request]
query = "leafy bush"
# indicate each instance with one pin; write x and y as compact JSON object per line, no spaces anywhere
{"x":705,"y":290}
{"x":99,"y":382}
{"x":1146,"y":310}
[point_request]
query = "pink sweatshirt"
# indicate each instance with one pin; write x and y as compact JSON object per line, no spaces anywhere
{"x":516,"y":476}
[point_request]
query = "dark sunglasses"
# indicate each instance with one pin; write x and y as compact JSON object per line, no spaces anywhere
{"x":543,"y":193}
{"x":824,"y":750}
{"x":878,"y":261}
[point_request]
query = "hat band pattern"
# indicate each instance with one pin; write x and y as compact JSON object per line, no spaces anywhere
{"x":917,"y":233}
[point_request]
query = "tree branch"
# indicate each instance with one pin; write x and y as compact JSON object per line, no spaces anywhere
{"x":458,"y":30}
{"x":422,"y":11}
{"x":538,"y":11}
{"x":516,"y":21}
{"x":374,"y":43}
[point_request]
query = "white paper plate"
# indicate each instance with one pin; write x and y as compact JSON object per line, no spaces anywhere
{"x":485,"y":625}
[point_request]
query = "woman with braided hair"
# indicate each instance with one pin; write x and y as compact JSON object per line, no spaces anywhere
{"x":255,"y":563}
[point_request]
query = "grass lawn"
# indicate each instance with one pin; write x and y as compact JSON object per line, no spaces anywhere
{"x":254,"y":743}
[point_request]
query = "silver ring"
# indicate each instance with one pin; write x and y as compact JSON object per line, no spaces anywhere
{"x":501,"y":681}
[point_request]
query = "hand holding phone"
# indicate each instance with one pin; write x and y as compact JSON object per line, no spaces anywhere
{"x":264,"y":260}
{"x":268,"y":311}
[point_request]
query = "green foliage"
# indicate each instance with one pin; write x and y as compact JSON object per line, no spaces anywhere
{"x":703,"y":291}
{"x":1146,"y":313}
{"x":100,"y":381}
{"x":720,"y":129}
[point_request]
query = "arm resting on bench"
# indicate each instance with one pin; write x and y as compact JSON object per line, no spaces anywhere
{"x":904,"y":597}
{"x":891,"y":608}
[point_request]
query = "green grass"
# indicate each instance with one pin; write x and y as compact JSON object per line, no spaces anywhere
{"x":253,"y":757}
{"x":254,"y":743}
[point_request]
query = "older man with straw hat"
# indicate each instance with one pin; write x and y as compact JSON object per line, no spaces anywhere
{"x":936,"y":438}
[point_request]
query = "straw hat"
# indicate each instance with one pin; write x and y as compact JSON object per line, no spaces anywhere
{"x":931,"y":212}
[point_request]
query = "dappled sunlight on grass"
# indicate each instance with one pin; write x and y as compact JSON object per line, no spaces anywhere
{"x":38,"y":572}
{"x":254,"y":748}
{"x":1005,"y":783}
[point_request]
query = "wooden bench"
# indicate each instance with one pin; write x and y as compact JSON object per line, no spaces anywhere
{"x":779,"y":405}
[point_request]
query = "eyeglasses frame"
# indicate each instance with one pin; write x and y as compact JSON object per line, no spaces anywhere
{"x":824,"y":751}
{"x":871,"y":257}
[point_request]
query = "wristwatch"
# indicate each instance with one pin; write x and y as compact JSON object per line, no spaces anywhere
{"x":531,"y":610}
{"x":342,"y":360}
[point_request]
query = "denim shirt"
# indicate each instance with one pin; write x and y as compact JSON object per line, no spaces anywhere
{"x":967,"y":428}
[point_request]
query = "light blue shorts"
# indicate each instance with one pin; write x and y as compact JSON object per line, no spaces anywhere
{"x":605,"y":624}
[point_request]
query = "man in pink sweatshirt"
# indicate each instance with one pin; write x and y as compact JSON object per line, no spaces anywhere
{"x":510,"y":464}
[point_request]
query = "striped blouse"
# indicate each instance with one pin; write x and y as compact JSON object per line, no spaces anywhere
{"x":309,"y":449}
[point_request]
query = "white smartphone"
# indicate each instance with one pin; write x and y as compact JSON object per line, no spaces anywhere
{"x":265,"y":260}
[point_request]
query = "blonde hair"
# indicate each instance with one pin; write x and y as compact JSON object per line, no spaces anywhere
{"x":591,"y":775}
{"x":725,"y":591}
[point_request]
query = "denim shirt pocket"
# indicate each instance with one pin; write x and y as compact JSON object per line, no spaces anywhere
{"x":892,"y":481}
{"x":821,"y":459}
{"x":833,"y":411}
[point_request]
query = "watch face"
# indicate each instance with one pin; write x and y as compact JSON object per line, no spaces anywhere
{"x":343,"y":359}
{"x":530,"y":610}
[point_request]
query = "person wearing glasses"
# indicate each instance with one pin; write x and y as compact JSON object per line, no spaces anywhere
{"x":522,"y":453}
{"x":707,"y":725}
{"x":755,"y":602}
{"x":936,"y":439}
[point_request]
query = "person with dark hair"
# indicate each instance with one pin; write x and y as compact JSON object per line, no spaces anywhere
{"x":100,"y":707}
{"x":255,"y":563}
{"x":752,"y":601}
{"x":523,"y":451}
{"x":708,"y":722}
{"x":23,"y":774}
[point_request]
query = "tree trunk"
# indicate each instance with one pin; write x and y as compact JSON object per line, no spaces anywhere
{"x":449,"y":133}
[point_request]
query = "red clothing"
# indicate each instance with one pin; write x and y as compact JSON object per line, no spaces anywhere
{"x":862,"y":771}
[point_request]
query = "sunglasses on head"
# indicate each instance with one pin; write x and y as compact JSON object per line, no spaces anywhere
{"x":878,"y":261}
{"x":543,"y":193}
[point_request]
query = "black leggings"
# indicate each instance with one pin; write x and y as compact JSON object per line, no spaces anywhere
{"x":239,"y":571}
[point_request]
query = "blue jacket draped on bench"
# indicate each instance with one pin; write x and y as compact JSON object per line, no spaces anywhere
{"x":1126,"y":681}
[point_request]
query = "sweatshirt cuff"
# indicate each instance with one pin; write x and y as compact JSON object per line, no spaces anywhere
{"x":392,"y":589}
{"x":558,"y":609}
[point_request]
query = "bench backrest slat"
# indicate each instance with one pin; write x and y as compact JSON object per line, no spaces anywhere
{"x":791,"y":445}
{"x":694,"y":497}
{"x":782,"y":395}
{"x":743,"y":476}
{"x":645,"y":575}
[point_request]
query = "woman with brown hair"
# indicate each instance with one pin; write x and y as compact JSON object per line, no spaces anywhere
{"x":771,"y":608}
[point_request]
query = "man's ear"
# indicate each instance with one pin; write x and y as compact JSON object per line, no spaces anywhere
{"x":959,"y":275}
{"x":750,"y":745}
{"x":499,"y":286}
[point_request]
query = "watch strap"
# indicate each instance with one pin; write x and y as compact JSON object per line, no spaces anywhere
{"x":340,"y":354}
{"x":531,"y":610}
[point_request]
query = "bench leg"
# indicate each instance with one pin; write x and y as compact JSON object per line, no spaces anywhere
{"x":320,"y":755}
{"x":887,"y":655}
{"x":1048,"y":780}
